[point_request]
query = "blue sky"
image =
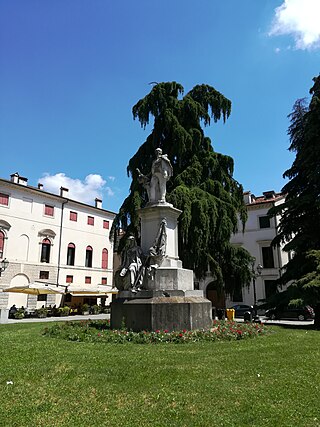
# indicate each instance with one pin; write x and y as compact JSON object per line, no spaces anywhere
{"x":71,"y":70}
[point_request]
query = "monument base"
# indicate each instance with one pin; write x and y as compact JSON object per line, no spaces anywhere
{"x":161,"y":310}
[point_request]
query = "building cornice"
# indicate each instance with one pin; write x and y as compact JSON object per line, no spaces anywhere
{"x":64,"y":200}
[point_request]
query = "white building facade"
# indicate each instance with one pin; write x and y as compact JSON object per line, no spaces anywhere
{"x":259,"y":232}
{"x":51,"y":239}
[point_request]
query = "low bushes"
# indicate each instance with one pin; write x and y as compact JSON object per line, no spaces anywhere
{"x":99,"y":331}
{"x":64,"y":311}
{"x":41,"y":312}
{"x":19,"y":314}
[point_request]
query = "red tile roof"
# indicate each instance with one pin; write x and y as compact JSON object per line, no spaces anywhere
{"x":262,"y":199}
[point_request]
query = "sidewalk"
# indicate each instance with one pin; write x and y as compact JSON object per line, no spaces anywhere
{"x":59,"y":319}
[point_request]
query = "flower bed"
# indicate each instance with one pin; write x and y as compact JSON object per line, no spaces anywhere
{"x":99,"y":331}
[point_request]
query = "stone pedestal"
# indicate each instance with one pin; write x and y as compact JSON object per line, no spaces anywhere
{"x":151,"y":217}
{"x":168,"y":300}
{"x":171,"y":278}
{"x":150,"y":311}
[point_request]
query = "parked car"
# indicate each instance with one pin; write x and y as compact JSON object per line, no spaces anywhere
{"x":240,"y":309}
{"x":294,"y":313}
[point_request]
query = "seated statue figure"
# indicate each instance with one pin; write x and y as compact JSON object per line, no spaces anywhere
{"x":130,"y":274}
{"x":157,"y":252}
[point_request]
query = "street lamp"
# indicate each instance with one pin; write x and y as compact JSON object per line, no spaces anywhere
{"x":255,"y":273}
{"x":3,"y":265}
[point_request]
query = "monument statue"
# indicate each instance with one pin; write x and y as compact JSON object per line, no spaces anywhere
{"x":159,"y":247}
{"x":155,"y":291}
{"x":158,"y":250}
{"x":130,"y":274}
{"x":161,"y":172}
{"x":135,"y":263}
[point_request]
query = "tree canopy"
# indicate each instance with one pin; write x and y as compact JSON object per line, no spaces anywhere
{"x":202,"y":186}
{"x":299,"y":227}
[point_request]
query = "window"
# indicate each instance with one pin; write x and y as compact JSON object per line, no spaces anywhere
{"x":88,"y":262}
{"x":88,"y":280}
{"x":4,"y":199}
{"x":44,"y":275}
{"x":90,"y":220}
{"x":267,"y":257}
{"x":106,"y":224}
{"x":45,"y":250}
{"x":48,"y":210}
{"x":264,"y":222}
{"x":42,"y":297}
{"x":104,"y":263}
{"x":69,"y":279}
{"x":71,"y":254}
{"x":270,"y":288}
{"x":103,"y":281}
{"x":2,"y":236}
{"x":73,"y":216}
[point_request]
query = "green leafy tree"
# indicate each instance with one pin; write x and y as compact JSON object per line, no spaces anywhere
{"x":299,"y":227}
{"x":202,"y":186}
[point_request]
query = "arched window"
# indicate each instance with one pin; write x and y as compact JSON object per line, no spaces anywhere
{"x":45,"y":250}
{"x":1,"y":243}
{"x":89,"y":252}
{"x":71,"y":254}
{"x":104,"y":263}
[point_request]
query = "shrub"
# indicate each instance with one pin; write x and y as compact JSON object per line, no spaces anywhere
{"x":64,"y":311}
{"x":41,"y":312}
{"x":95,"y":309}
{"x":85,"y":308}
{"x":19,"y":314}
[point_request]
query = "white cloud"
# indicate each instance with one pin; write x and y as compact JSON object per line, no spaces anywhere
{"x":109,"y":192}
{"x":93,"y":186}
{"x":111,"y":178}
{"x":277,"y":49}
{"x":301,"y":19}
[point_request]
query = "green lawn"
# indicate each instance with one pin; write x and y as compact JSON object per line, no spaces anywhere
{"x":268,"y":381}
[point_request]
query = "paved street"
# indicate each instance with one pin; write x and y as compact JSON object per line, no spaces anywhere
{"x":267,"y":321}
{"x":107,"y":316}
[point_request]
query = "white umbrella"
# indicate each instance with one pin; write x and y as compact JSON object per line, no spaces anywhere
{"x":98,"y":290}
{"x":35,"y":289}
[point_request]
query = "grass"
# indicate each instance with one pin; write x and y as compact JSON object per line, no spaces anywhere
{"x":267,"y":381}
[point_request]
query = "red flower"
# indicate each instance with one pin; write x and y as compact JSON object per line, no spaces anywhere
{"x":180,"y":335}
